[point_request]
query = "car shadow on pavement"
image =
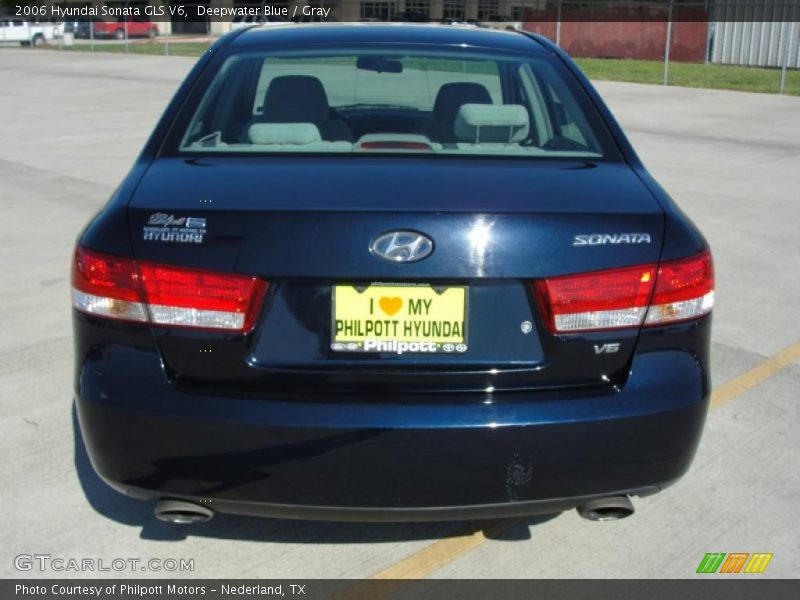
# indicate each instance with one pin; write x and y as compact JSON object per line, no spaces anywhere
{"x":136,"y":513}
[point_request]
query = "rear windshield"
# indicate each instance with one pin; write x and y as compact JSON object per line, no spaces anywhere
{"x":400,"y":102}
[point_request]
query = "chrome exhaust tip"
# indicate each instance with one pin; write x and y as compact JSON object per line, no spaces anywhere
{"x":180,"y":512}
{"x":607,"y":509}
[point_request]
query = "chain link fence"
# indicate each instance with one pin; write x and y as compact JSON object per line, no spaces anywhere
{"x":650,"y":41}
{"x":742,"y":33}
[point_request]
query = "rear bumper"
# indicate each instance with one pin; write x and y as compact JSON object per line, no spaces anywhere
{"x":387,"y":514}
{"x":455,"y":457}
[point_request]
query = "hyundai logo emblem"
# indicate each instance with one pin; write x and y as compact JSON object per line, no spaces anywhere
{"x":401,"y":246}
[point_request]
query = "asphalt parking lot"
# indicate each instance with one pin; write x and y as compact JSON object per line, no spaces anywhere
{"x":72,"y":123}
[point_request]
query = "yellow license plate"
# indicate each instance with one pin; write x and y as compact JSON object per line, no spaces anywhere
{"x":399,"y":319}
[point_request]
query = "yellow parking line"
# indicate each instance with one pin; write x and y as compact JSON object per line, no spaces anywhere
{"x":442,"y":552}
{"x":424,"y":562}
{"x":754,"y":376}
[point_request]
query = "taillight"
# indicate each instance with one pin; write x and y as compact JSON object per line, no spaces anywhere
{"x":107,"y":286}
{"x":684,"y":290}
{"x":629,"y":297}
{"x":600,"y":300}
{"x":122,"y":288}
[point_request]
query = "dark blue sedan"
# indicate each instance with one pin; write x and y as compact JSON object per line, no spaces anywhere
{"x":390,"y":272}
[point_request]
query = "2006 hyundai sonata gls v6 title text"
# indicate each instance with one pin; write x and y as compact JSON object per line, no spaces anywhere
{"x":390,"y":272}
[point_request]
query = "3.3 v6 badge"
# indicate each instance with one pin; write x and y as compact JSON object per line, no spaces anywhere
{"x":162,"y":227}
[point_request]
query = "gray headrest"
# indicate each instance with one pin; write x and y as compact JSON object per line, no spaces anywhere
{"x":284,"y":133}
{"x":452,"y":96}
{"x":296,"y":99}
{"x":491,"y":123}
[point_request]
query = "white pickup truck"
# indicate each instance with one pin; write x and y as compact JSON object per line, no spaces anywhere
{"x":26,"y":33}
{"x":503,"y":22}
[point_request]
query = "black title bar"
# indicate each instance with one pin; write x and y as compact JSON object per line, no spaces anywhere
{"x":458,"y":11}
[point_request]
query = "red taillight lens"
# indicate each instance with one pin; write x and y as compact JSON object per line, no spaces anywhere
{"x":193,"y":298}
{"x":629,"y":297}
{"x":107,"y":286}
{"x":122,"y":288}
{"x":684,"y":290}
{"x":600,"y":300}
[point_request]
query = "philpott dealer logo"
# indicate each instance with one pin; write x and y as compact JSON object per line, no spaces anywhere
{"x":734,"y":562}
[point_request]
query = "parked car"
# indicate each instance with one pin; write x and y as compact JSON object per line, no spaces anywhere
{"x":27,"y":33}
{"x":501,"y":22}
{"x":124,"y":26}
{"x":82,"y":28}
{"x":390,"y":272}
{"x":411,"y":16}
{"x":462,"y":23}
{"x":243,"y":21}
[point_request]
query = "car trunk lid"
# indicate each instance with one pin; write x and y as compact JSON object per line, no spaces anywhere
{"x":306,"y":225}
